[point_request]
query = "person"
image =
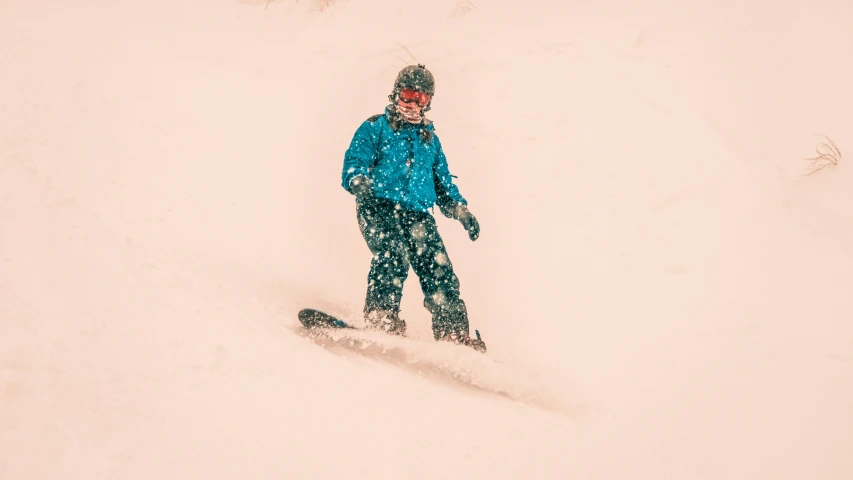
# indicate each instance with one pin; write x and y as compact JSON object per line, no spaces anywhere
{"x":397,"y":170}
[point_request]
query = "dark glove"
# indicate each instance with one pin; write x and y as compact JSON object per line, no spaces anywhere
{"x":362,"y":187}
{"x":468,"y":221}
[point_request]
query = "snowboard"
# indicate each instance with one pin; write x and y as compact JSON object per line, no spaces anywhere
{"x":315,"y":320}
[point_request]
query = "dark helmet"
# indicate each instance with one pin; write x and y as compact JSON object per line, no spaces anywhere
{"x":416,"y":77}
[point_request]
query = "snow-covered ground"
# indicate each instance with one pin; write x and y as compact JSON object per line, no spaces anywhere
{"x":653,"y":262}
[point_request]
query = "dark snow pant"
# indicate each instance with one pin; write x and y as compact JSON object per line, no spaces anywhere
{"x":401,"y":238}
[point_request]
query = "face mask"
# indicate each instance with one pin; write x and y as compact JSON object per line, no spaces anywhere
{"x":410,"y":112}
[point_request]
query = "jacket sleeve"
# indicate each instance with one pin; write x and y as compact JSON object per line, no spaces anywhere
{"x":447,"y":193}
{"x":361,"y":154}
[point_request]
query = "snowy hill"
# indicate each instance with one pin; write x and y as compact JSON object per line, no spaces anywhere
{"x":653,"y":258}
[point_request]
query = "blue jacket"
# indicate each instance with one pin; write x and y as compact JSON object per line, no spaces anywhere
{"x":405,"y":161}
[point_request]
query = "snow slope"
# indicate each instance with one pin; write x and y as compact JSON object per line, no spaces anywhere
{"x":652,"y":258}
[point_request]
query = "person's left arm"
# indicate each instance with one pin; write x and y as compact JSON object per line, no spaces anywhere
{"x":449,"y":200}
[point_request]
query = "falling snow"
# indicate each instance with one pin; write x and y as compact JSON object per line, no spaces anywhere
{"x":663,"y":290}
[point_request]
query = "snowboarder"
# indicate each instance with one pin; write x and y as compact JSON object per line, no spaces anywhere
{"x":397,"y":170}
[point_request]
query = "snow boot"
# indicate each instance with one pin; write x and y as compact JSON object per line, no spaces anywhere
{"x":386,"y":321}
{"x":462,"y":339}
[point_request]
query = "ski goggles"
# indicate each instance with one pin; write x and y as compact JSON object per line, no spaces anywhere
{"x":409,"y":95}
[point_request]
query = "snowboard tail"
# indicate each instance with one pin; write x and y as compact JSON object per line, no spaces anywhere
{"x":313,"y":319}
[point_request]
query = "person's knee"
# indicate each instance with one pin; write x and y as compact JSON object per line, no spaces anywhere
{"x":390,"y":252}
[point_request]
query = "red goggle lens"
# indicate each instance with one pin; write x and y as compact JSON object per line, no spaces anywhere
{"x":408,"y":95}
